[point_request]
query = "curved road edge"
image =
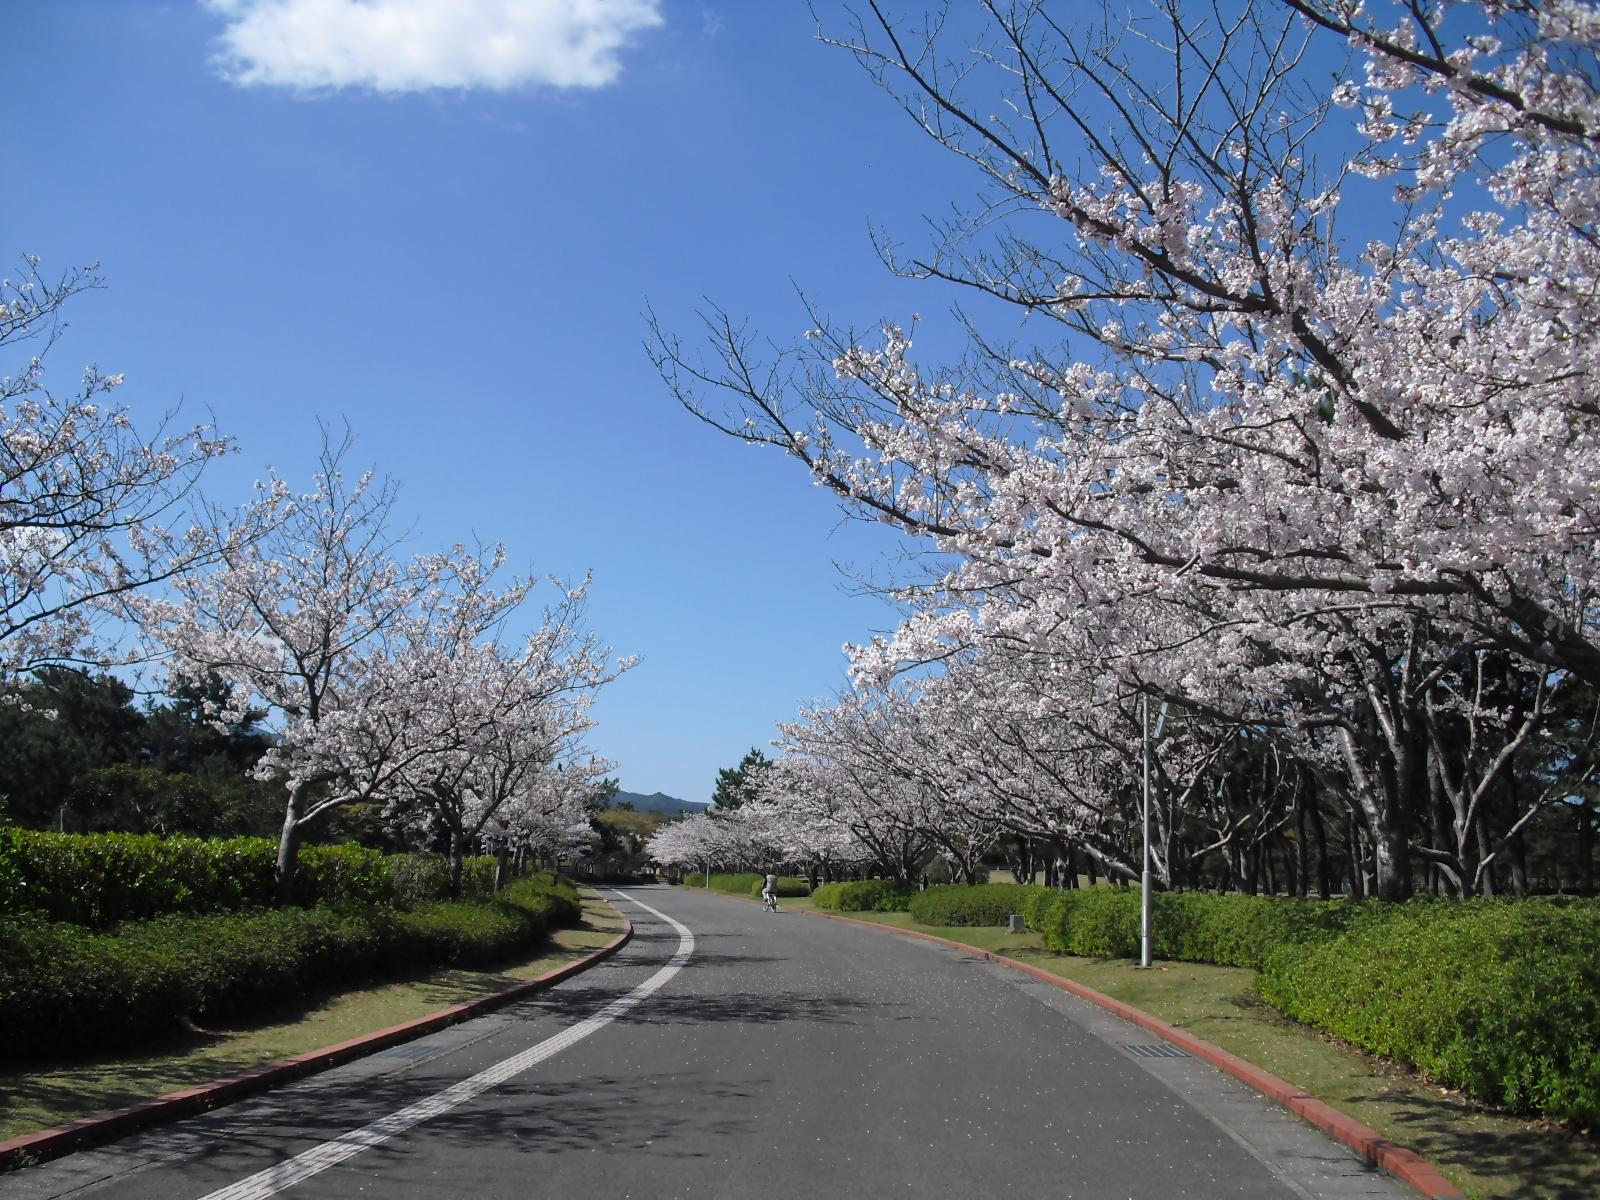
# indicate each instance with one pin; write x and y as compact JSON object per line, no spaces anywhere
{"x":32,"y":1148}
{"x":1405,"y":1165}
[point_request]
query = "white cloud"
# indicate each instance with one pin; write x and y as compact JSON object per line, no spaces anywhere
{"x":416,"y":45}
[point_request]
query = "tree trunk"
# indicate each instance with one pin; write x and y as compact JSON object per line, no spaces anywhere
{"x":1319,"y":830}
{"x":1299,"y":864}
{"x":1486,"y":882}
{"x":1392,"y":864}
{"x":502,"y":864}
{"x":1584,"y":877}
{"x":1352,"y":835}
{"x":458,"y":850}
{"x":289,"y":847}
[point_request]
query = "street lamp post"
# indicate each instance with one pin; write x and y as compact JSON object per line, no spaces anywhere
{"x":1144,"y":877}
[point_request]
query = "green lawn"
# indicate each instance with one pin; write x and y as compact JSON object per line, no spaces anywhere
{"x":43,"y":1097}
{"x":1485,"y":1153}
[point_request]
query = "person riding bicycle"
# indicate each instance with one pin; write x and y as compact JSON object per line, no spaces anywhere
{"x":769,"y":894}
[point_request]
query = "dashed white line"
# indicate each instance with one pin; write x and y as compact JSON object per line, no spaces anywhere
{"x":291,"y":1171}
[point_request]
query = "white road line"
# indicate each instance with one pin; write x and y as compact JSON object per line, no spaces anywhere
{"x":319,"y":1158}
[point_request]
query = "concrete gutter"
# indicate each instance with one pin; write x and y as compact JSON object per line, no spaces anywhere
{"x":53,"y":1143}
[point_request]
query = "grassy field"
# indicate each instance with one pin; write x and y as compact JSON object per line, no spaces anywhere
{"x":1485,"y":1153}
{"x":43,"y":1097}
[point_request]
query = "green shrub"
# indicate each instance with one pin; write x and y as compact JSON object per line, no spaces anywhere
{"x":981,"y":904}
{"x":868,"y":895}
{"x":545,"y":894}
{"x":736,"y":884}
{"x":1039,"y":906}
{"x":477,"y":875}
{"x":788,"y":885}
{"x":1239,"y":931}
{"x":341,"y":874}
{"x":64,"y":988}
{"x":1498,"y":997}
{"x":101,"y":878}
{"x":1094,"y":922}
{"x":418,"y":878}
{"x":1231,"y":930}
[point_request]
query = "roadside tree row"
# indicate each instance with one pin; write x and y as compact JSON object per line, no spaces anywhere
{"x":433,"y":688}
{"x":1297,"y":456}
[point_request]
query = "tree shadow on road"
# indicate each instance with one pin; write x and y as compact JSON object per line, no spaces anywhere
{"x":744,"y":1007}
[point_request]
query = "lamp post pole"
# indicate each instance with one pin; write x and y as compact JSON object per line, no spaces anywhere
{"x":1144,"y":878}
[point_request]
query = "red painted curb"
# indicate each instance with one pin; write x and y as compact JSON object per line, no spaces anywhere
{"x":1405,"y":1165}
{"x":52,"y":1143}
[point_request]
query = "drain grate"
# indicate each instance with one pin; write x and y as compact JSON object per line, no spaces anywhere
{"x":1163,"y":1050}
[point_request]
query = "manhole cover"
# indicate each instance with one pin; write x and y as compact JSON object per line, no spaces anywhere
{"x":1164,"y":1050}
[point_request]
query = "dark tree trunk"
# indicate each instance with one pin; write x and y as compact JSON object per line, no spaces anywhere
{"x":458,"y":850}
{"x":289,"y":848}
{"x":502,"y":867}
{"x":1319,"y":831}
{"x":1392,"y":860}
{"x":1300,"y":887}
{"x":1584,"y":876}
{"x":1358,"y":890}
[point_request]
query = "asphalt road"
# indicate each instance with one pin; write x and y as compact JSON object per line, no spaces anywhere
{"x":730,"y":1053}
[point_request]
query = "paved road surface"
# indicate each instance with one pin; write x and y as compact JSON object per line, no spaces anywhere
{"x":728,"y":1054}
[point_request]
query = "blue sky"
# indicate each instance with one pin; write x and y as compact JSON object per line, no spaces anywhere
{"x":459,"y":269}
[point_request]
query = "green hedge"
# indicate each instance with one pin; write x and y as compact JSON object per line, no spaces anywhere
{"x":788,"y":885}
{"x":1232,"y":930}
{"x":735,"y":884}
{"x":99,"y":879}
{"x":1498,"y":997}
{"x":64,"y":988}
{"x":983,"y":904}
{"x":868,"y":895}
{"x":416,"y":878}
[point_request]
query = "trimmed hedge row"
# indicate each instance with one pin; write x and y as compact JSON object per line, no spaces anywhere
{"x":734,"y":883}
{"x":416,"y":878}
{"x":982,"y":904}
{"x":1498,"y":997}
{"x":64,"y":988}
{"x":99,"y":879}
{"x":867,"y":895}
{"x":788,"y":885}
{"x":1231,"y":930}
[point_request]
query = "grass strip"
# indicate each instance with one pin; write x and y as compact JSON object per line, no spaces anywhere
{"x":1487,"y":1154}
{"x":43,"y":1097}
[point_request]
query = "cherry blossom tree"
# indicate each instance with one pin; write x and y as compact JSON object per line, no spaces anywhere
{"x":1312,"y":364}
{"x":697,"y":840}
{"x":288,"y":622}
{"x":87,"y":501}
{"x":486,"y":736}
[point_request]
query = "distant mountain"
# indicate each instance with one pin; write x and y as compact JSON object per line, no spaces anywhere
{"x":657,"y":802}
